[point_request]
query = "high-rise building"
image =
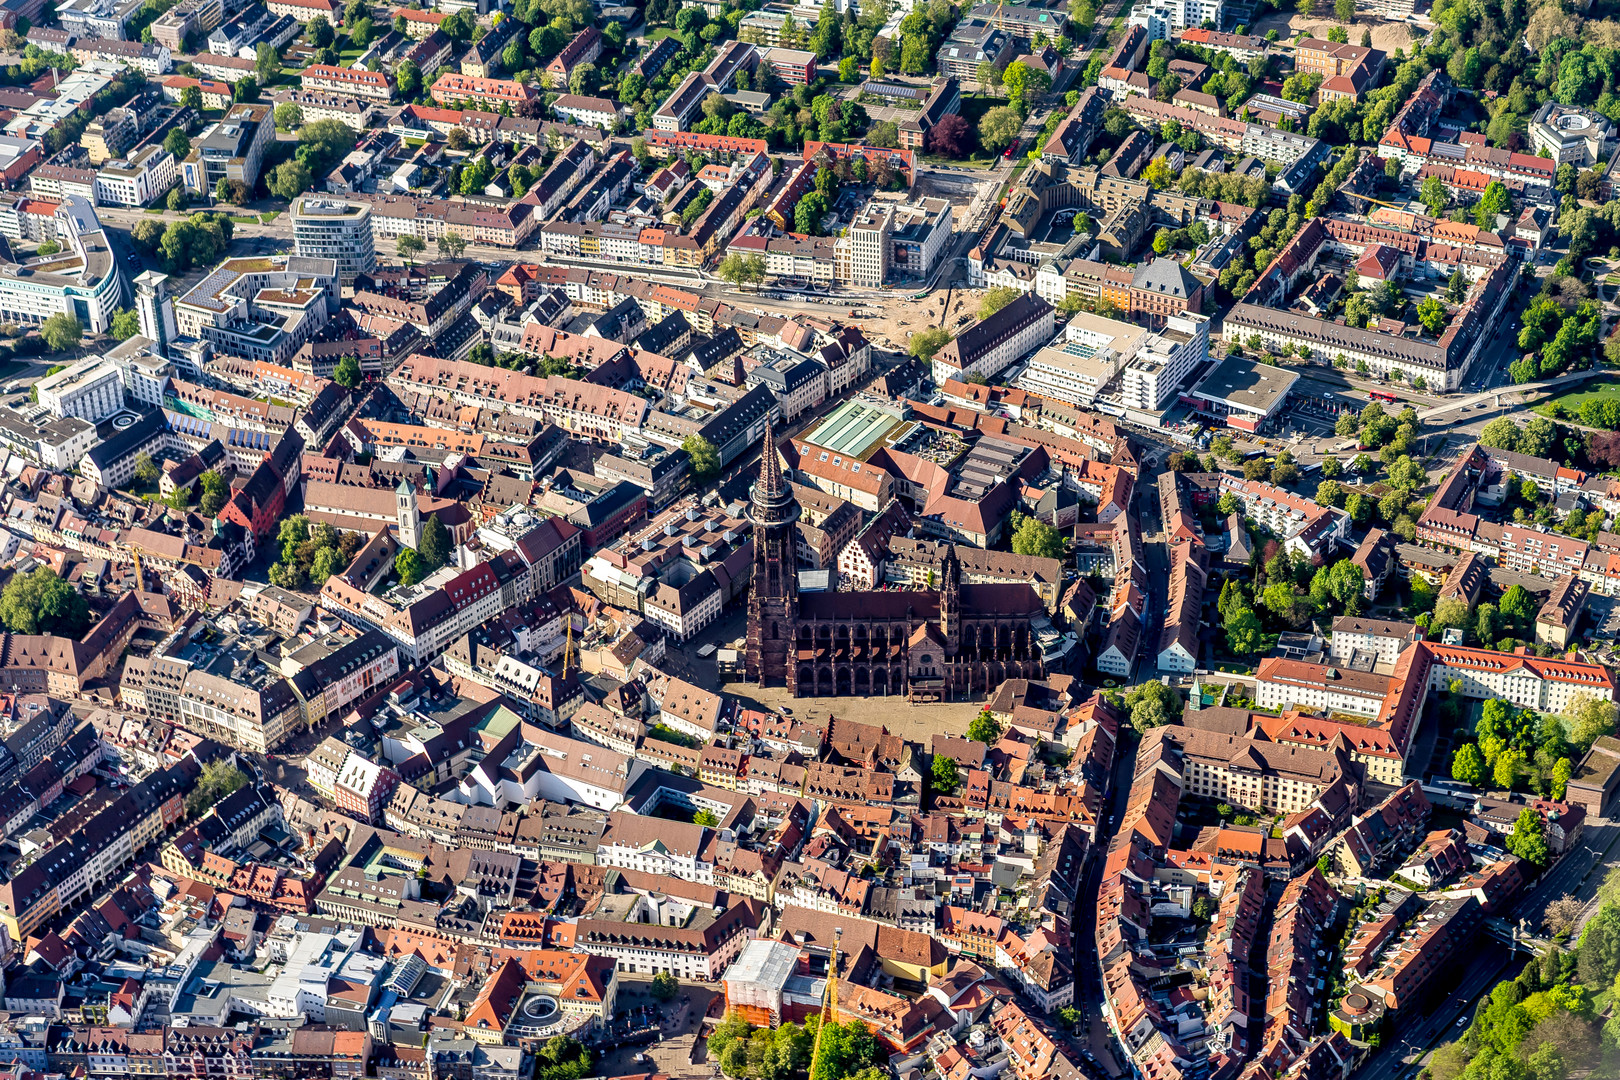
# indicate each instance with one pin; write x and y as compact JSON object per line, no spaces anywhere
{"x":869,"y":245}
{"x":326,"y":228}
{"x":154,"y":305}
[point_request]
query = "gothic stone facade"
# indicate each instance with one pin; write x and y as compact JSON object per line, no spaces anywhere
{"x":955,"y":641}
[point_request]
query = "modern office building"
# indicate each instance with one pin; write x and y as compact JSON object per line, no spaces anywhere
{"x":92,"y":389}
{"x":329,"y":228}
{"x":145,"y":175}
{"x":232,"y":149}
{"x":82,"y":280}
{"x":260,"y":309}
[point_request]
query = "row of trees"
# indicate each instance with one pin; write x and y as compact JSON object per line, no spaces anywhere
{"x":1543,"y":1024}
{"x":849,"y":1051}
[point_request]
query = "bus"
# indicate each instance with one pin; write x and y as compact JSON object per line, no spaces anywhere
{"x":920,"y":296}
{"x":1382,"y":395}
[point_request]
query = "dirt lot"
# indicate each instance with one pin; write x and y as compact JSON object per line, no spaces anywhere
{"x":1387,"y":36}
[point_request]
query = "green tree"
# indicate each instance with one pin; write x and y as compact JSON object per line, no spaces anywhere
{"x":408,"y":565}
{"x":434,"y":546}
{"x":347,"y":372}
{"x":125,"y":324}
{"x":1434,"y":195}
{"x":1244,"y":633}
{"x":40,"y":602}
{"x":944,"y":774}
{"x":61,"y":331}
{"x":267,"y":63}
{"x":704,"y":458}
{"x":289,"y":180}
{"x":996,"y":299}
{"x":985,"y":728}
{"x":664,"y":985}
{"x":1432,"y":314}
{"x":1152,"y":705}
{"x":289,"y":117}
{"x":1587,"y":716}
{"x":1034,"y":537}
{"x":215,"y":492}
{"x":926,"y":343}
{"x":218,"y":779}
{"x":178,"y":143}
{"x":1529,"y":839}
{"x":1501,"y":433}
{"x":999,"y":127}
{"x":1468,"y":765}
{"x":1562,"y":770}
{"x":409,"y":247}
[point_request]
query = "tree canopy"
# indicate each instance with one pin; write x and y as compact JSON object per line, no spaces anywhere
{"x":41,"y":602}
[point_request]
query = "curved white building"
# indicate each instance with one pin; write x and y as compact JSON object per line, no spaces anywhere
{"x":82,"y":280}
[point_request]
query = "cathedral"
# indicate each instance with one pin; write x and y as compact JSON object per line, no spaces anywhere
{"x":954,"y":642}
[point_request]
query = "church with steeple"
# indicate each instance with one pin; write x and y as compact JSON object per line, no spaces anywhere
{"x":926,"y":644}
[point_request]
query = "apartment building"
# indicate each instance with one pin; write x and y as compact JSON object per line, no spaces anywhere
{"x":348,"y":82}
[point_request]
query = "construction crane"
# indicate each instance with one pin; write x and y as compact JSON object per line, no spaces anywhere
{"x":829,"y":1002}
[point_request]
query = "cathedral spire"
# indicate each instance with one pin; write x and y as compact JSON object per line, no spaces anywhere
{"x":771,"y":500}
{"x":770,"y":469}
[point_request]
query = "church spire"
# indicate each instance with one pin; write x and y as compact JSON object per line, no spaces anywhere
{"x":771,"y":500}
{"x":770,"y":484}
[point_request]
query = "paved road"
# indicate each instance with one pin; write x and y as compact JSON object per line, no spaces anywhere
{"x":1489,"y":397}
{"x":1402,"y":1052}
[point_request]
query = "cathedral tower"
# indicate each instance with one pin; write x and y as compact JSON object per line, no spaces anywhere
{"x":773,"y":599}
{"x":950,"y":600}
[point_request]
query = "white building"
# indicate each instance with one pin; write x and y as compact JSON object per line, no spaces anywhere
{"x":1118,"y":367}
{"x":329,"y":228}
{"x":144,"y":176}
{"x":1161,"y":18}
{"x":1548,"y":686}
{"x":1382,"y":640}
{"x":1567,"y":133}
{"x":92,"y":389}
{"x":673,"y":849}
{"x":82,"y":280}
{"x":1282,"y":684}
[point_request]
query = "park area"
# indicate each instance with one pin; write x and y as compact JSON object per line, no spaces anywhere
{"x":1568,"y":406}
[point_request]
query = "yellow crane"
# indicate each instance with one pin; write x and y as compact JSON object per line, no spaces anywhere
{"x":140,"y":580}
{"x":829,"y":1002}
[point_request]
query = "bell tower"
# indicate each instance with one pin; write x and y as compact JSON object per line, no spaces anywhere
{"x":773,"y":598}
{"x":410,"y":516}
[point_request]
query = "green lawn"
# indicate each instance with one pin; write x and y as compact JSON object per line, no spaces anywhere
{"x":269,"y":216}
{"x":1571,"y":402}
{"x":980,"y":160}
